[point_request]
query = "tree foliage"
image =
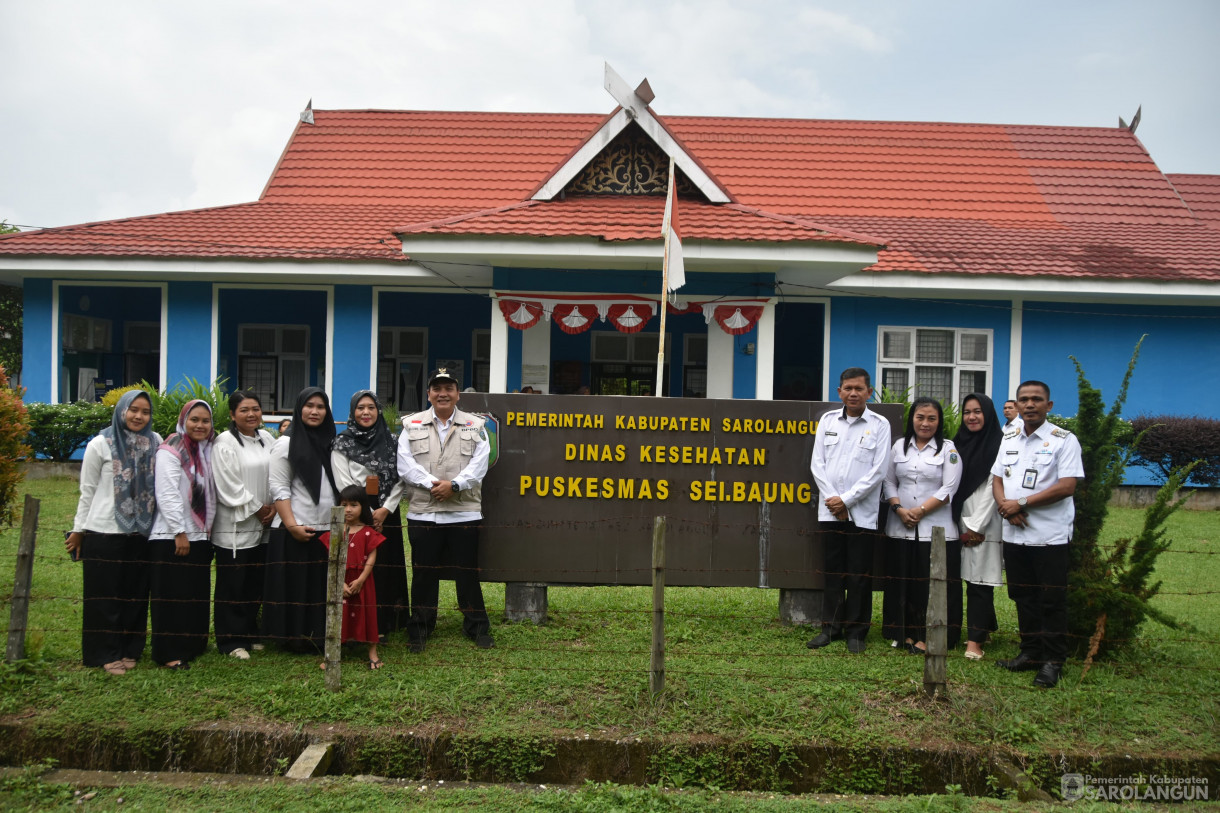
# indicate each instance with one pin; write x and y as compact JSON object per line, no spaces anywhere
{"x":1169,"y":442}
{"x":14,"y":427}
{"x":57,"y":431}
{"x":1110,"y":590}
{"x":10,"y":319}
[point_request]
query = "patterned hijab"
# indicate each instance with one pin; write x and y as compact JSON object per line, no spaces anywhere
{"x":133,"y":461}
{"x":373,"y":447}
{"x":309,"y":446}
{"x":197,"y":487}
{"x":978,"y":451}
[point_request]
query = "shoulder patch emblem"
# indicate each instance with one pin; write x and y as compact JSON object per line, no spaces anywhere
{"x":1059,"y":432}
{"x":953,"y":457}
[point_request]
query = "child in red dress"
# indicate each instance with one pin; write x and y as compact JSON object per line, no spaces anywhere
{"x":359,"y":592}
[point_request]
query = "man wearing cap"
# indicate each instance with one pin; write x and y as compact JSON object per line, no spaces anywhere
{"x":443,"y":453}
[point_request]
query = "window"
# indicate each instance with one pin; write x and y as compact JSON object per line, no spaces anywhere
{"x":401,"y":367}
{"x":942,"y":363}
{"x":626,"y":363}
{"x":481,"y":356}
{"x":694,"y":366}
{"x":273,"y":360}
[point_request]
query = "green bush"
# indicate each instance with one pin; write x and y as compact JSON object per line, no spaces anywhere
{"x":14,"y":427}
{"x":953,"y":412}
{"x":57,"y":431}
{"x":167,"y":405}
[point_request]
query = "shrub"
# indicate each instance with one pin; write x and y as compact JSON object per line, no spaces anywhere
{"x":953,"y":412}
{"x":14,"y":427}
{"x":58,"y":430}
{"x":111,"y":398}
{"x":167,"y":405}
{"x":1170,"y":442}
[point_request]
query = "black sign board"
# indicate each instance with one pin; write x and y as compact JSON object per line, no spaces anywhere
{"x":579,"y":479}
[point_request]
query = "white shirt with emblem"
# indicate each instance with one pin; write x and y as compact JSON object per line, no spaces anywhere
{"x":849,"y":461}
{"x":915,"y":475}
{"x":416,"y":475}
{"x":1029,"y":464}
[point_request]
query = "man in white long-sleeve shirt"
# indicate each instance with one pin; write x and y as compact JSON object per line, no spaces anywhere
{"x":850,"y":452}
{"x":442,"y":456}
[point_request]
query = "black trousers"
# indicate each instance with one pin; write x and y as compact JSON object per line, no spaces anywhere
{"x":980,"y":611}
{"x":445,"y":551}
{"x":847,"y":598}
{"x":180,"y":588}
{"x":918,"y":581}
{"x":239,"y":596}
{"x":294,"y":592}
{"x":1037,"y":584}
{"x":894,"y":589}
{"x":114,"y":613}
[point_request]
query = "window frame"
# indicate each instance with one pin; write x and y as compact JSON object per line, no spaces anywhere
{"x":910,"y":365}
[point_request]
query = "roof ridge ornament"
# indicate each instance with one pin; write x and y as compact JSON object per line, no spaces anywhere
{"x":307,"y":113}
{"x":633,"y":106}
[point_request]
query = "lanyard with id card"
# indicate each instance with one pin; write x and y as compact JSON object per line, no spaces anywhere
{"x":1030,"y":479}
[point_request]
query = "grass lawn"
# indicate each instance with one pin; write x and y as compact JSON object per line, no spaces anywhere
{"x":734,"y":671}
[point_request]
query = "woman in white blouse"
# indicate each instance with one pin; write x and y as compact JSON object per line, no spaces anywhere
{"x":180,"y":580}
{"x":364,"y":450}
{"x":110,"y":535}
{"x":303,"y":490}
{"x":922,"y":478}
{"x":974,"y":508}
{"x":241,"y":464}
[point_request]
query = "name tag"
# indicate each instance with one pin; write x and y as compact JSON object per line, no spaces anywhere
{"x":1031,"y":478}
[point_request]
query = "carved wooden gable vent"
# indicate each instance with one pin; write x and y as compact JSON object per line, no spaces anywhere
{"x":631,"y":164}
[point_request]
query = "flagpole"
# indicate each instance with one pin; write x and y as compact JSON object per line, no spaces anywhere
{"x":665,"y":286}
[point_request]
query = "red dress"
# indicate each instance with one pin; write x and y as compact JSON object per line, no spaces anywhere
{"x":360,"y":610}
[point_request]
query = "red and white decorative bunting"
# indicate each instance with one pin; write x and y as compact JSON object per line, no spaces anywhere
{"x":575,"y":317}
{"x":734,"y":318}
{"x":630,"y":318}
{"x":627,"y":313}
{"x":519,"y":314}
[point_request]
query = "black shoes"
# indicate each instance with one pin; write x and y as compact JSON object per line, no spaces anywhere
{"x":822,"y":639}
{"x":484,"y":641}
{"x":1048,"y":675}
{"x":416,"y":646}
{"x":1021,"y":663}
{"x":855,"y":645}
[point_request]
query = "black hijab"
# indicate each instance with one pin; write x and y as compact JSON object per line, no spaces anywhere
{"x":309,"y":446}
{"x":374,"y":447}
{"x":978,"y":451}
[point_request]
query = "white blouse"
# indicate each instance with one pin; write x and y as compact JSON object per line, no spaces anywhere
{"x":915,"y":475}
{"x":350,"y":473}
{"x":173,"y":516}
{"x":95,"y":509}
{"x":284,"y":486}
{"x":984,"y":562}
{"x":241,"y":472}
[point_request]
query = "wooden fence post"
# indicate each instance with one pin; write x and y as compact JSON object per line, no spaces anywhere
{"x":934,"y":666}
{"x":336,"y":568}
{"x":22,"y":582}
{"x":656,"y":675}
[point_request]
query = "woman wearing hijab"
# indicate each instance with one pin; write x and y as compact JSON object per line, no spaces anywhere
{"x":181,"y":554}
{"x":974,"y":509}
{"x":923,"y":476}
{"x":110,"y":535}
{"x":367,"y":449}
{"x":241,"y":462}
{"x":303,"y":489}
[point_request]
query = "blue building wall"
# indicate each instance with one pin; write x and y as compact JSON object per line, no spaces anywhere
{"x":451,"y":320}
{"x":1178,"y":372}
{"x":854,"y":322}
{"x":36,"y":336}
{"x":353,"y":348}
{"x":188,"y":344}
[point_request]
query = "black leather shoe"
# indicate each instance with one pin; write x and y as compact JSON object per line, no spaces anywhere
{"x":417,"y":646}
{"x":855,"y":645}
{"x":1021,"y":663}
{"x":1048,"y":675}
{"x":820,"y":640}
{"x":484,"y":641}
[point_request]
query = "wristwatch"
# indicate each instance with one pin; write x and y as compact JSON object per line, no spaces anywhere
{"x":457,"y":488}
{"x":894,"y":507}
{"x":1021,"y":501}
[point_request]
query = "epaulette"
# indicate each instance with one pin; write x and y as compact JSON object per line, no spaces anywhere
{"x":1011,"y":433}
{"x":1060,"y":432}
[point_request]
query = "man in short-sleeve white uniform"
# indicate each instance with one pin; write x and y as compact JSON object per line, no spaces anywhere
{"x":851,"y":450}
{"x":1034,"y":478}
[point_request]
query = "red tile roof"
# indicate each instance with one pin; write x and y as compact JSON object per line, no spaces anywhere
{"x":969,"y":198}
{"x":1202,"y":195}
{"x":614,"y":217}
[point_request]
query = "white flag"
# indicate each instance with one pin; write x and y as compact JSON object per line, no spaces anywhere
{"x":675,"y":270}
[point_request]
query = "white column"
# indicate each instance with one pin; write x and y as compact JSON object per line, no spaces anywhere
{"x":536,"y":356}
{"x":499,"y":350}
{"x":719,"y":362}
{"x":1014,"y":351}
{"x":764,"y":359}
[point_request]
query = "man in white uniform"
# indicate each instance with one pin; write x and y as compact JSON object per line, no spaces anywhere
{"x":1034,"y":478}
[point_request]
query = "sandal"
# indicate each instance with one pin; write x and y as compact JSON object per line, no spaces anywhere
{"x":180,"y":666}
{"x":128,"y":663}
{"x":115,"y":668}
{"x":972,"y":655}
{"x":375,"y":664}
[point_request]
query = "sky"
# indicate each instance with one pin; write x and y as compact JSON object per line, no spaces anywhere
{"x":112,"y":110}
